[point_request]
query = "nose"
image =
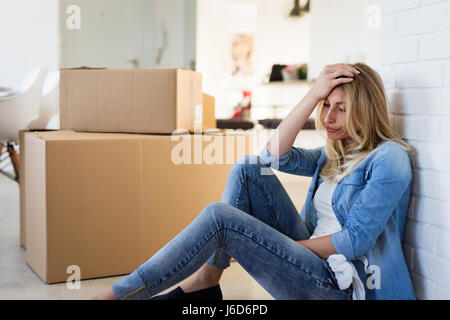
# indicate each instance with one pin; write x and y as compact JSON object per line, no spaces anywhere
{"x":328,"y":116}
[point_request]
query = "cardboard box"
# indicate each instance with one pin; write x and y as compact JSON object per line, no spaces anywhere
{"x":209,"y":112}
{"x":22,"y":178}
{"x":106,"y":203}
{"x":130,"y":101}
{"x":22,"y":187}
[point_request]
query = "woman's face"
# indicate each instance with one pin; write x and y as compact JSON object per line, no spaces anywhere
{"x":333,"y":115}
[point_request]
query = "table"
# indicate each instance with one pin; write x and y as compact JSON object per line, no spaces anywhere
{"x":4,"y":91}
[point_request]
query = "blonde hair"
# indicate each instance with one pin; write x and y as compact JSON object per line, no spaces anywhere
{"x":368,"y":124}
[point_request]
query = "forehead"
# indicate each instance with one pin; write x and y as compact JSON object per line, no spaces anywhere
{"x":336,"y":96}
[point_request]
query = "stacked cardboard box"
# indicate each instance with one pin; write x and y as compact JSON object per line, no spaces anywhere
{"x":136,"y":101}
{"x":114,"y":185}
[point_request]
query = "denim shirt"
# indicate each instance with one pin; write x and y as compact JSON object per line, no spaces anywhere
{"x":370,"y":204}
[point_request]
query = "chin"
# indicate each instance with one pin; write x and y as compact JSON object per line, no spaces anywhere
{"x":332,"y":136}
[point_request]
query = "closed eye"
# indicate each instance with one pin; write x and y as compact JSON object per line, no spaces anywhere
{"x":327,"y":106}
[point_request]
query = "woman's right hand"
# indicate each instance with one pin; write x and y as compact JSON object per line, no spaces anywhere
{"x":331,"y":77}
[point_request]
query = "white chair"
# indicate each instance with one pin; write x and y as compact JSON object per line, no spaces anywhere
{"x":17,"y":111}
{"x":48,"y":117}
{"x":54,"y":123}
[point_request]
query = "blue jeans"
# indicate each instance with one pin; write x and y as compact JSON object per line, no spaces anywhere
{"x":257,"y":224}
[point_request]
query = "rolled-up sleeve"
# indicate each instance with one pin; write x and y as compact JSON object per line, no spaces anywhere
{"x":343,"y":244}
{"x":391,"y":178}
{"x":296,"y":161}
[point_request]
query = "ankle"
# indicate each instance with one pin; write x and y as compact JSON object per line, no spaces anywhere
{"x":107,"y":294}
{"x":198,"y":283}
{"x":210,"y":274}
{"x":209,"y":279}
{"x":207,"y":276}
{"x":209,"y":282}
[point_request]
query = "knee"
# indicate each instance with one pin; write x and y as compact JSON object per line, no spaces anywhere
{"x":247,"y":164}
{"x":215,"y":207}
{"x":217,"y":211}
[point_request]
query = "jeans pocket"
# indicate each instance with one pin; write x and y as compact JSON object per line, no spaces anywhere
{"x":331,"y":274}
{"x":333,"y":280}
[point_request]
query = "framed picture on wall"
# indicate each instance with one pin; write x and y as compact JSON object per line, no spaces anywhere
{"x":242,"y":52}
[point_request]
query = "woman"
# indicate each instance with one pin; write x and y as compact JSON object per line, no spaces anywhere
{"x":353,"y":217}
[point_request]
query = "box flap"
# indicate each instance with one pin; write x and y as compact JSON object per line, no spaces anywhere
{"x":36,"y":204}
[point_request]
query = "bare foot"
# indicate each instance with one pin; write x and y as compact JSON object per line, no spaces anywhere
{"x":105,"y":295}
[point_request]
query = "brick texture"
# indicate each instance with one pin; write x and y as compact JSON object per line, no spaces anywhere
{"x":415,"y":44}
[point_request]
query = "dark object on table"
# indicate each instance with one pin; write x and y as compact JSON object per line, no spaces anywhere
{"x":276,"y":75}
{"x":274,"y":123}
{"x":298,"y":10}
{"x":234,"y":124}
{"x":302,"y":72}
{"x":270,"y":123}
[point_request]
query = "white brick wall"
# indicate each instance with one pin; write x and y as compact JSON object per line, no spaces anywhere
{"x":416,"y":71}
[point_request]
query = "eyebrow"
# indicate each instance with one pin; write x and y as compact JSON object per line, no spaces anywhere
{"x":337,"y":103}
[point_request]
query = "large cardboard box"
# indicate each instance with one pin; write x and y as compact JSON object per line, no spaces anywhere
{"x":105,"y":203}
{"x":130,"y":101}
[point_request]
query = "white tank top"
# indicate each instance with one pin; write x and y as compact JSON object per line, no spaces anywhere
{"x":327,"y":223}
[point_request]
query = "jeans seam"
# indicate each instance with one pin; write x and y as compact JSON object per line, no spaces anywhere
{"x":133,"y":293}
{"x":317,"y":281}
{"x":272,"y":211}
{"x":245,"y":235}
{"x":274,"y":252}
{"x":215,"y":256}
{"x":238,"y":198}
{"x":323,"y":283}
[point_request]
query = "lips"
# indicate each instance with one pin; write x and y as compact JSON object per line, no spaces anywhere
{"x":331,"y":130}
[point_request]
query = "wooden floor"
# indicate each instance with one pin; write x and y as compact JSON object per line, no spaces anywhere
{"x":18,"y":281}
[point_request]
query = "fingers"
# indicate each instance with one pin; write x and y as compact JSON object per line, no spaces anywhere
{"x":341,"y":67}
{"x":333,"y":76}
{"x":340,"y":81}
{"x":342,"y":73}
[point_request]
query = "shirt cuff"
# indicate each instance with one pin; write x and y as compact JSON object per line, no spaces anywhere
{"x":131,"y":287}
{"x":270,"y":159}
{"x":343,"y":244}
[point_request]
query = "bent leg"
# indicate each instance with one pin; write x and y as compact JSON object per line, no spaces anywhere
{"x":283,"y":267}
{"x":263,"y":197}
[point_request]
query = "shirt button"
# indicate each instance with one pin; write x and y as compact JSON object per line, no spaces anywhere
{"x":333,"y":203}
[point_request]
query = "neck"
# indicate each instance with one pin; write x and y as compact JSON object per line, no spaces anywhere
{"x":347,"y":141}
